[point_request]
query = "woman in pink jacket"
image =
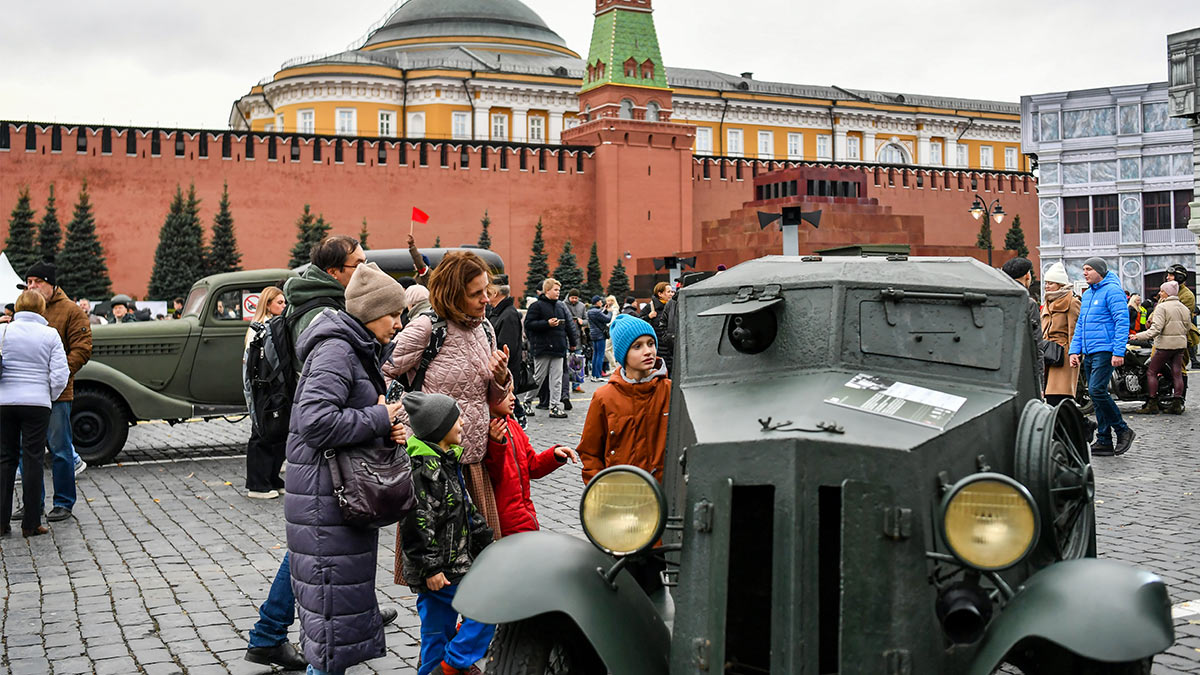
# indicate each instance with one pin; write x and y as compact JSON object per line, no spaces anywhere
{"x":468,"y":367}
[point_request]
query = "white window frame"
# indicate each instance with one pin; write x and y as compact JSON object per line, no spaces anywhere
{"x":1011,"y":160}
{"x":416,"y":125}
{"x":987,"y":157}
{"x":734,"y":142}
{"x":704,"y":140}
{"x":270,"y":127}
{"x":307,"y":121}
{"x":279,"y":123}
{"x":499,"y":127}
{"x":935,"y":152}
{"x":766,"y":145}
{"x":853,"y":147}
{"x":824,"y":147}
{"x":537,"y":129}
{"x":347,"y":121}
{"x":962,"y":156}
{"x":460,"y":125}
{"x":795,"y":147}
{"x":387,"y":124}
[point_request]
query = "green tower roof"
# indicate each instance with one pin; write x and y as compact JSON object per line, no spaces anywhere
{"x":619,"y":35}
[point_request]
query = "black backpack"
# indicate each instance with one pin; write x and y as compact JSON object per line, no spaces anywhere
{"x":437,"y":337}
{"x":269,"y":375}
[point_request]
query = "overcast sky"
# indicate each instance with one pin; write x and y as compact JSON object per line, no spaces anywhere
{"x":183,"y":62}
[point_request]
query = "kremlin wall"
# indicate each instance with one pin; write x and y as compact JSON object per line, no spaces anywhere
{"x":623,"y":173}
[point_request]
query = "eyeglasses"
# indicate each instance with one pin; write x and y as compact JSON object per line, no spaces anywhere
{"x":354,"y":266}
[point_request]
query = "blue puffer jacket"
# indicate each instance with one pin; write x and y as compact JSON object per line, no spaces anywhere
{"x":1103,"y":324}
{"x":333,"y":565}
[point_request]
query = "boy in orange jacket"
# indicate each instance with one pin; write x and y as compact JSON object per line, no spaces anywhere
{"x":627,"y":419}
{"x":511,"y":463}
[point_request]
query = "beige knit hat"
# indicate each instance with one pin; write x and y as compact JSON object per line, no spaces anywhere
{"x":372,"y":294}
{"x":1057,"y":273}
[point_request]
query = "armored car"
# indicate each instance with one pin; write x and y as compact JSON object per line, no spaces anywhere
{"x":860,"y":478}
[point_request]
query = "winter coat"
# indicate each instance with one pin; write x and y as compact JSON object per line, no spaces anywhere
{"x":631,"y":310}
{"x":1035,"y":331}
{"x":627,"y":424}
{"x":598,"y":320}
{"x":506,"y":320}
{"x":1169,"y":325}
{"x":1058,"y":325}
{"x":35,"y":368}
{"x":664,"y":327}
{"x":1188,"y":298}
{"x":313,"y":283}
{"x":572,"y":329}
{"x":578,"y":309}
{"x":1103,"y":324}
{"x":443,"y":532}
{"x":75,"y":332}
{"x":544,"y":339}
{"x":511,"y":465}
{"x":333,"y":564}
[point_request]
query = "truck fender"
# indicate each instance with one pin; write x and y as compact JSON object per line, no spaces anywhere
{"x":143,"y":402}
{"x":1099,"y":609}
{"x":533,"y":573}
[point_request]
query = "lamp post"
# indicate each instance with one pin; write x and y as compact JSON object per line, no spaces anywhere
{"x":979,"y":209}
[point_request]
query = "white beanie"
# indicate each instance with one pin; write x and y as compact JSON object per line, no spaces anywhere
{"x":1057,"y":273}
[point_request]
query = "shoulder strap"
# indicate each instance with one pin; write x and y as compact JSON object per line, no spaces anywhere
{"x":292,"y":317}
{"x":437,"y":337}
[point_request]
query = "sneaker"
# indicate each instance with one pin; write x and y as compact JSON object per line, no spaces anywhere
{"x":578,"y":389}
{"x":58,"y":513}
{"x":269,"y":494}
{"x":18,"y":513}
{"x":1102,"y":449}
{"x":1124,"y":440}
{"x":80,"y":467}
{"x":556,"y":414}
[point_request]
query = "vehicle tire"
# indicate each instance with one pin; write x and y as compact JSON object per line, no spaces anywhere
{"x":1083,"y":399}
{"x":99,"y":425}
{"x":544,"y":645}
{"x":1075,"y":665}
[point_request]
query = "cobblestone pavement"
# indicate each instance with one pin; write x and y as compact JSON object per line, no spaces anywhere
{"x":165,"y":561}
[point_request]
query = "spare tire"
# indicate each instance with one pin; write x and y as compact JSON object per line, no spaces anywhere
{"x":99,"y":424}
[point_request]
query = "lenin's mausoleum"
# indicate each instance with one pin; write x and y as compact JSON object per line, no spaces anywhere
{"x":466,"y":106}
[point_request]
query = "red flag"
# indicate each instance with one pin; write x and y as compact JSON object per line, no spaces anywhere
{"x":420,"y":216}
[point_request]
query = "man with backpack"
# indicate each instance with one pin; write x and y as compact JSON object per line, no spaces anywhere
{"x":322,"y":285}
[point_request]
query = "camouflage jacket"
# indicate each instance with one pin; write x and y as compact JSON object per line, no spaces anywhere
{"x":443,"y":532}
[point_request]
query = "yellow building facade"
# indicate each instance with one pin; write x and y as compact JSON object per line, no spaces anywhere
{"x":476,"y":70}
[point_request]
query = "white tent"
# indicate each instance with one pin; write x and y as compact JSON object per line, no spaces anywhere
{"x":8,"y":281}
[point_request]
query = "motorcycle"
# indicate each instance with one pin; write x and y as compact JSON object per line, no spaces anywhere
{"x":1128,"y":383}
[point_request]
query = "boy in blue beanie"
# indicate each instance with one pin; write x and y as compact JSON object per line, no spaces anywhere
{"x":627,"y":419}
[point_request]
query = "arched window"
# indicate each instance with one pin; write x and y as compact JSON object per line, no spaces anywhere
{"x":626,"y":111}
{"x":893,"y":154}
{"x":652,"y":110}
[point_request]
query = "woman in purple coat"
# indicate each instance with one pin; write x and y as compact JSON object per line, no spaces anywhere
{"x":339,"y":403}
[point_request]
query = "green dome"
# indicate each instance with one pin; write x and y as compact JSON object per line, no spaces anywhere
{"x":509,"y":19}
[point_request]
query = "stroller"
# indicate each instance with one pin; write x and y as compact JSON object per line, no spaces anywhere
{"x":577,"y":363}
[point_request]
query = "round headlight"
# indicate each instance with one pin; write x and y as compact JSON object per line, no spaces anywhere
{"x":990,"y":521}
{"x":623,"y":510}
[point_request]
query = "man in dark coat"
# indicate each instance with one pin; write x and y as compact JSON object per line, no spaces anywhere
{"x":506,"y":320}
{"x":1021,"y":271}
{"x":546,"y":323}
{"x":338,"y":405}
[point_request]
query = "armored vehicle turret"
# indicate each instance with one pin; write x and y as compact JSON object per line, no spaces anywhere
{"x":860,"y":478}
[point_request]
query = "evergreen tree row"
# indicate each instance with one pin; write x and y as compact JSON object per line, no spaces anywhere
{"x":569,"y":274}
{"x":182,"y":258}
{"x":82,"y":270}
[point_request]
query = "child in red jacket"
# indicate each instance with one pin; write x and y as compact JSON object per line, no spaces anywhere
{"x":512,"y":463}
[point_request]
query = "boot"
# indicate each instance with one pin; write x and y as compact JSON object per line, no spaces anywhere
{"x":1150,"y":407}
{"x":1173,"y":406}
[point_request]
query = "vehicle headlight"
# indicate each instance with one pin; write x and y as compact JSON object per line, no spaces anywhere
{"x":989,"y":521}
{"x":623,"y":510}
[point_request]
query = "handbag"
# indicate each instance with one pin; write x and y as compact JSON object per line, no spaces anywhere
{"x":1053,"y":353}
{"x":373,"y":486}
{"x":525,"y":380}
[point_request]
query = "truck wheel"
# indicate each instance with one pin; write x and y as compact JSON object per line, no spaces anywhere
{"x":1078,"y":666}
{"x":99,"y":425}
{"x":1083,"y":399}
{"x":543,"y":645}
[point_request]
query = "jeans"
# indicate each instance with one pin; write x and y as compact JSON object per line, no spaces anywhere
{"x":598,"y":357}
{"x":22,"y":434}
{"x":62,"y":447}
{"x":278,"y":612}
{"x":440,"y":642}
{"x":314,"y":671}
{"x":1097,"y":370}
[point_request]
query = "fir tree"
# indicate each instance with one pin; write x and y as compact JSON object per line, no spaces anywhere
{"x":310,"y":230}
{"x":984,"y":240}
{"x":179,"y":258}
{"x":618,"y":281}
{"x":362,"y":236}
{"x":594,"y":286}
{"x":437,"y":243}
{"x":20,"y":245}
{"x":539,"y":265}
{"x":485,"y":239}
{"x":1014,"y":239}
{"x":82,"y":270}
{"x":49,"y":231}
{"x":568,"y":273}
{"x":223,"y":255}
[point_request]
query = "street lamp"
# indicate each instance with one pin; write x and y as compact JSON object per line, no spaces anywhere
{"x":994,"y":211}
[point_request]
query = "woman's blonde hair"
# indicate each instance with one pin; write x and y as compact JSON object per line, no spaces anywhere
{"x":30,"y":301}
{"x":611,"y":300}
{"x":448,"y":285}
{"x":264,"y":302}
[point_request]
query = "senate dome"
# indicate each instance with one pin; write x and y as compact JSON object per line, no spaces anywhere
{"x":453,"y":21}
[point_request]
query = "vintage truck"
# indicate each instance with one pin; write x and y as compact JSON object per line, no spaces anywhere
{"x":187,"y":369}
